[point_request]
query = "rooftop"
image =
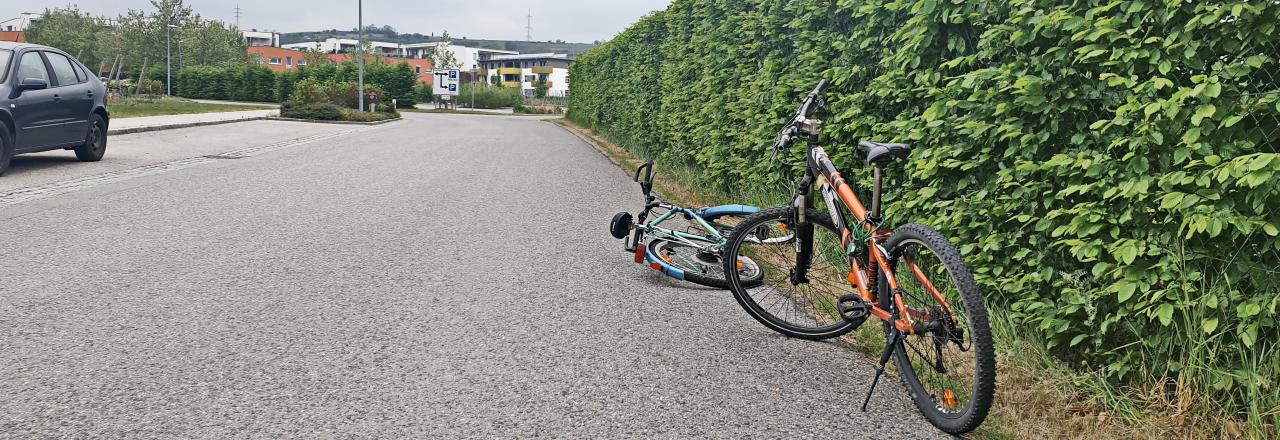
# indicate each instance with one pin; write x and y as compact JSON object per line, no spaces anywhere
{"x":533,"y":56}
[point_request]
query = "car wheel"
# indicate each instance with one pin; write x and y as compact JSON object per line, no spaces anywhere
{"x":6,"y":148}
{"x":95,"y":142}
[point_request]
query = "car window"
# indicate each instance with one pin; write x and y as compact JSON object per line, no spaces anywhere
{"x":4,"y":63}
{"x":31,"y":66}
{"x":62,"y":69}
{"x":80,"y":71}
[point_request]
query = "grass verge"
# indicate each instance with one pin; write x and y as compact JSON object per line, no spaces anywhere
{"x":1037,"y":396}
{"x":147,"y":106}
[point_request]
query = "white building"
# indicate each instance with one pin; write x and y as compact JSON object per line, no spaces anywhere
{"x":261,"y":39}
{"x":19,"y":23}
{"x":469,"y":58}
{"x":347,"y":45}
{"x":527,"y":70}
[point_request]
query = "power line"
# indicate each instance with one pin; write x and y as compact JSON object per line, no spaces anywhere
{"x":237,"y":16}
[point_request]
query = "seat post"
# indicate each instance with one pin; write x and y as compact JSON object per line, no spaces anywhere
{"x":874,"y":215}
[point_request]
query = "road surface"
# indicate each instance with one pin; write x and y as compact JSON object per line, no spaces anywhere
{"x":442,"y":276}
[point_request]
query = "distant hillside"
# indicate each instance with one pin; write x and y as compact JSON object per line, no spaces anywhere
{"x":387,"y":34}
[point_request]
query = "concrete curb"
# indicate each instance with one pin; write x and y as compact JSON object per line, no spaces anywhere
{"x":317,"y":121}
{"x":116,"y":131}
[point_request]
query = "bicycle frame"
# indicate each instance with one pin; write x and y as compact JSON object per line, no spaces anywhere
{"x":714,"y":241}
{"x":837,"y":191}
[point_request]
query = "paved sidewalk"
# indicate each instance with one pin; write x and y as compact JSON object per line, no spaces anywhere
{"x":150,"y":123}
{"x":261,"y":104}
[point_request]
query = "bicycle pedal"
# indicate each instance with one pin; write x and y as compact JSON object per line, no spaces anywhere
{"x":853,"y":308}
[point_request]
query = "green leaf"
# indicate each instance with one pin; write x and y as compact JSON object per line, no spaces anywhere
{"x":1164,"y":67}
{"x":1213,"y":90}
{"x":1209,"y":324}
{"x":1204,"y":111}
{"x":1270,"y":229}
{"x":1165,"y":313}
{"x":1077,"y":339}
{"x":1125,"y":291}
{"x":1191,"y":136}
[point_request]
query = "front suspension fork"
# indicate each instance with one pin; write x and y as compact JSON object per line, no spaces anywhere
{"x":804,"y":232}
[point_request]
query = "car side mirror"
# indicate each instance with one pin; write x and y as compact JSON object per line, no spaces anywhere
{"x":32,"y":84}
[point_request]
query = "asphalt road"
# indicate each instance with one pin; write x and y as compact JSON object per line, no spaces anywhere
{"x":443,"y":276}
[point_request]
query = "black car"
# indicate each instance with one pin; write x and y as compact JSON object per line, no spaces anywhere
{"x":49,"y":101}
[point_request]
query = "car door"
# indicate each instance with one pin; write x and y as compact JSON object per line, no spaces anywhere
{"x":73,"y":99}
{"x":34,"y":111}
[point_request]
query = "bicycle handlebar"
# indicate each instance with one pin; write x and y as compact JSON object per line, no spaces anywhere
{"x":807,"y":107}
{"x":646,"y":185}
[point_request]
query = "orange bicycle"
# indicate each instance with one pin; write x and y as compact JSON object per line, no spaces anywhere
{"x":840,"y":266}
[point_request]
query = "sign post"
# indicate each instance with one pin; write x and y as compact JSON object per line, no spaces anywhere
{"x":445,"y":84}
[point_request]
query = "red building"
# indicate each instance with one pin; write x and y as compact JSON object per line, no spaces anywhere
{"x":17,"y":36}
{"x":421,"y":67}
{"x":278,"y":59}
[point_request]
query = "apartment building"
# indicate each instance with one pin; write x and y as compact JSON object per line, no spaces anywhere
{"x":525,"y":71}
{"x":469,"y":58}
{"x":261,"y":39}
{"x":19,"y":23}
{"x":278,"y":59}
{"x":345,"y":45}
{"x":421,"y":68}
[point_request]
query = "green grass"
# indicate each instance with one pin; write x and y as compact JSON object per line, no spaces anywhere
{"x":138,"y":107}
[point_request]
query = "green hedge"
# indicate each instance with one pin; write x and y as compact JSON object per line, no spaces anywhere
{"x":1109,"y":169}
{"x":238,"y":83}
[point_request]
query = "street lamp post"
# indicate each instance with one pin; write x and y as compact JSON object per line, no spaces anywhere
{"x":360,"y":63}
{"x":168,"y":60}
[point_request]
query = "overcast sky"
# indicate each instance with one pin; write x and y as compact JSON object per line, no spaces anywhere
{"x":579,"y":21}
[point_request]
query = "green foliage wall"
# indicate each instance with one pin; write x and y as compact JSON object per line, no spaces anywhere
{"x":1109,"y":169}
{"x":238,"y":82}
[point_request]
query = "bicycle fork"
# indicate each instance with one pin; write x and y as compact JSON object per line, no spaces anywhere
{"x":804,"y":232}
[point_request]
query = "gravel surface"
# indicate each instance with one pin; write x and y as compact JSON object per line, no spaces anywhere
{"x":443,"y":276}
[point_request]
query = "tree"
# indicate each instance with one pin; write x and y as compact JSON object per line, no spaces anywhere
{"x":442,"y":57}
{"x":540,"y":87}
{"x":75,"y":32}
{"x":203,"y":42}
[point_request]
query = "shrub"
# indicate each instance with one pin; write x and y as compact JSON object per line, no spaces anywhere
{"x":323,"y":111}
{"x":369,"y":116}
{"x":342,"y":94}
{"x":490,"y":97}
{"x":1110,"y":170}
{"x":392,"y":81}
{"x":247,"y":82}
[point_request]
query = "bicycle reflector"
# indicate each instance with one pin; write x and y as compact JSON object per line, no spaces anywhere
{"x":949,"y":399}
{"x":621,"y":225}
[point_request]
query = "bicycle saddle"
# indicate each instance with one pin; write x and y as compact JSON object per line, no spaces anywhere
{"x":882,"y":153}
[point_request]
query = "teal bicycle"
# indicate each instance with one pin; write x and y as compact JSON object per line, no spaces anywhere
{"x":693,"y":254}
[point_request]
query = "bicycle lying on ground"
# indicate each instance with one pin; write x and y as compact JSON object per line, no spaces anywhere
{"x":844,"y":266}
{"x":692,"y":255}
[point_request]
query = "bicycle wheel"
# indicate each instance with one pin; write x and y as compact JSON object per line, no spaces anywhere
{"x":806,"y":309}
{"x":703,"y":267}
{"x":950,"y":369}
